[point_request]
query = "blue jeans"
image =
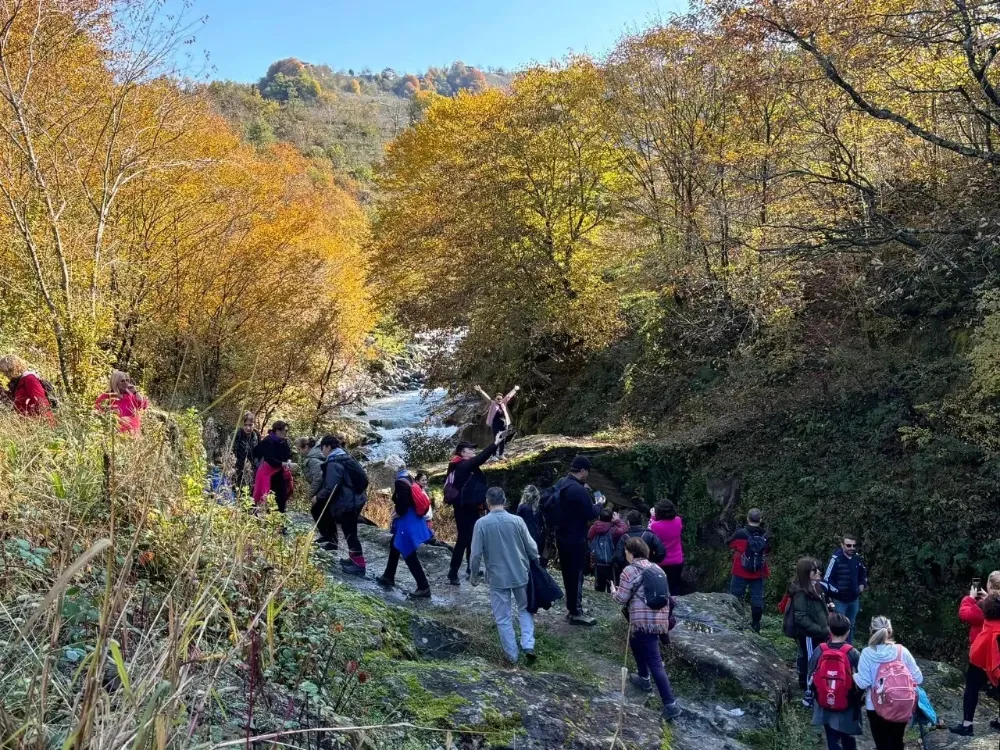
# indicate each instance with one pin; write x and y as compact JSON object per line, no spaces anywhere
{"x":850,"y":611}
{"x":503,"y":614}
{"x":739,"y":585}
{"x":838,"y":740}
{"x":649,"y":663}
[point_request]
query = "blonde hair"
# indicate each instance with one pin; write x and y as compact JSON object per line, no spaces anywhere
{"x":531,"y":496}
{"x":993,"y":583}
{"x":13,"y":366}
{"x":881,"y":631}
{"x":118,"y":378}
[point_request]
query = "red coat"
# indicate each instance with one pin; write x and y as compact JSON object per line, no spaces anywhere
{"x":602,"y":527}
{"x":972,"y":615}
{"x":985,"y":651}
{"x":29,"y":397}
{"x":129,"y":409}
{"x":738,"y":544}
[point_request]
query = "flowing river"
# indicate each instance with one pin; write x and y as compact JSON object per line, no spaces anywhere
{"x":392,"y":415}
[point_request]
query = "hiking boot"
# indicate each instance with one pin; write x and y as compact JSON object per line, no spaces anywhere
{"x":328,"y":546}
{"x":387,"y":582}
{"x":643,"y":683}
{"x":352,"y":568}
{"x":529,"y":654}
{"x":671,"y":711}
{"x":420,"y":594}
{"x":961,"y":730}
{"x":453,"y":580}
{"x":581,"y":620}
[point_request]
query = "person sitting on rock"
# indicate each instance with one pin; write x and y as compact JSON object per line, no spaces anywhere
{"x":809,"y":614}
{"x":603,"y":537}
{"x":409,"y":531}
{"x":637,"y":528}
{"x":647,"y":626}
{"x":751,"y":546}
{"x":501,"y":539}
{"x":837,"y":706}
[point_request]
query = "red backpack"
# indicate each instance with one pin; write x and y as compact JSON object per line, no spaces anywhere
{"x":833,"y":677}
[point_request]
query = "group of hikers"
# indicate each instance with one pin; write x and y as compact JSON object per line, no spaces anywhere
{"x":30,"y":395}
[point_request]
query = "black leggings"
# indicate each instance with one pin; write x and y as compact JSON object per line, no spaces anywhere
{"x":412,"y":562}
{"x":348,"y":523}
{"x":975,"y":680}
{"x":465,"y":521}
{"x":499,"y":424}
{"x":602,"y":577}
{"x":888,"y":735}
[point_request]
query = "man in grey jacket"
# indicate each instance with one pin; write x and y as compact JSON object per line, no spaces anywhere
{"x":503,"y":540}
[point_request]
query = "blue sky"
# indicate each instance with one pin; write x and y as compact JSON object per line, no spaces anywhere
{"x":243,"y":37}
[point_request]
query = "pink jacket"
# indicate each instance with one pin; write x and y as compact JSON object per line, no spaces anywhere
{"x":129,"y":409}
{"x":496,"y":406}
{"x":669,"y":533}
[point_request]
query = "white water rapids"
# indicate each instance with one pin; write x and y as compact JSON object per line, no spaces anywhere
{"x":394,"y":414}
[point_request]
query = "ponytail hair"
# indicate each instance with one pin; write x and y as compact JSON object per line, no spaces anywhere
{"x":881,"y":631}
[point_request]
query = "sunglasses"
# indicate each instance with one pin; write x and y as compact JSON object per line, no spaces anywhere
{"x":850,"y":546}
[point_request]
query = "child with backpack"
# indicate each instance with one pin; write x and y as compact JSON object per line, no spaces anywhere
{"x":837,"y":701}
{"x":889,"y":675}
{"x":602,"y":537}
{"x":645,"y":593}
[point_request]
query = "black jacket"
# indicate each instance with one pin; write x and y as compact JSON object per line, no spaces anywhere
{"x":535,"y":522}
{"x":656,"y":549}
{"x":336,"y":493}
{"x":402,"y":497}
{"x":845,"y":575}
{"x":469,"y":478}
{"x":543,"y":591}
{"x":243,"y":448}
{"x":275,"y":451}
{"x":809,"y":612}
{"x":576,"y":510}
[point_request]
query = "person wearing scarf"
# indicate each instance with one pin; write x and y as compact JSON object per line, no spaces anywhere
{"x":125,"y":401}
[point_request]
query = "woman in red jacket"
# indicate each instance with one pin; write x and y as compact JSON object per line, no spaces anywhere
{"x":970,"y":611}
{"x":25,"y":389}
{"x":125,"y":401}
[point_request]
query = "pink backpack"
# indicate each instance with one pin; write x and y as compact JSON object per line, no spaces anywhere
{"x":894,"y":693}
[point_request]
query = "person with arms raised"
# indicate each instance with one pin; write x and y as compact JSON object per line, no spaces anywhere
{"x":501,"y":539}
{"x":750,"y":546}
{"x":498,"y":416}
{"x":603,"y":536}
{"x":574,"y":510}
{"x":465,"y":491}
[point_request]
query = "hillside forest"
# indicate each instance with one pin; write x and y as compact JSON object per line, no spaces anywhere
{"x":755,"y":243}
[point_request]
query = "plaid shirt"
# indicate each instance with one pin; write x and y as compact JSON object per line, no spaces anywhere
{"x":630,"y":592}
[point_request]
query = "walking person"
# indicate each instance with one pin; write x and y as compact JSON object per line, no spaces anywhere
{"x":970,"y":611}
{"x":501,"y":539}
{"x":465,"y":491}
{"x":809,"y":614}
{"x":667,"y":526}
{"x":125,"y":401}
{"x":409,"y":531}
{"x":530,"y":510}
{"x":312,"y":462}
{"x":26,"y":390}
{"x":889,"y":675}
{"x":647,"y":626}
{"x":342,"y":498}
{"x":846,"y":578}
{"x":244,"y":443}
{"x":838,"y":702}
{"x":574,"y":510}
{"x":274,"y":456}
{"x":637,"y":528}
{"x":751,"y":546}
{"x":603,"y":537}
{"x":498,"y":416}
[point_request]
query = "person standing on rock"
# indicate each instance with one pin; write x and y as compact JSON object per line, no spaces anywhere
{"x":409,"y":531}
{"x":465,"y":491}
{"x":837,"y":707}
{"x":342,"y":497}
{"x":574,"y":510}
{"x":647,"y":626}
{"x":667,"y":527}
{"x":970,"y":611}
{"x":846,"y":577}
{"x":501,"y":539}
{"x":603,"y":536}
{"x":751,"y":546}
{"x":498,"y":416}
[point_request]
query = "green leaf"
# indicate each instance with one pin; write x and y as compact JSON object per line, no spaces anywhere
{"x":116,"y":654}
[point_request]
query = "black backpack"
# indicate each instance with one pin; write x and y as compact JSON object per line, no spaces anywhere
{"x":602,"y":550}
{"x":655,"y":587}
{"x":50,"y":393}
{"x":355,"y":476}
{"x":752,"y":559}
{"x":550,"y":507}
